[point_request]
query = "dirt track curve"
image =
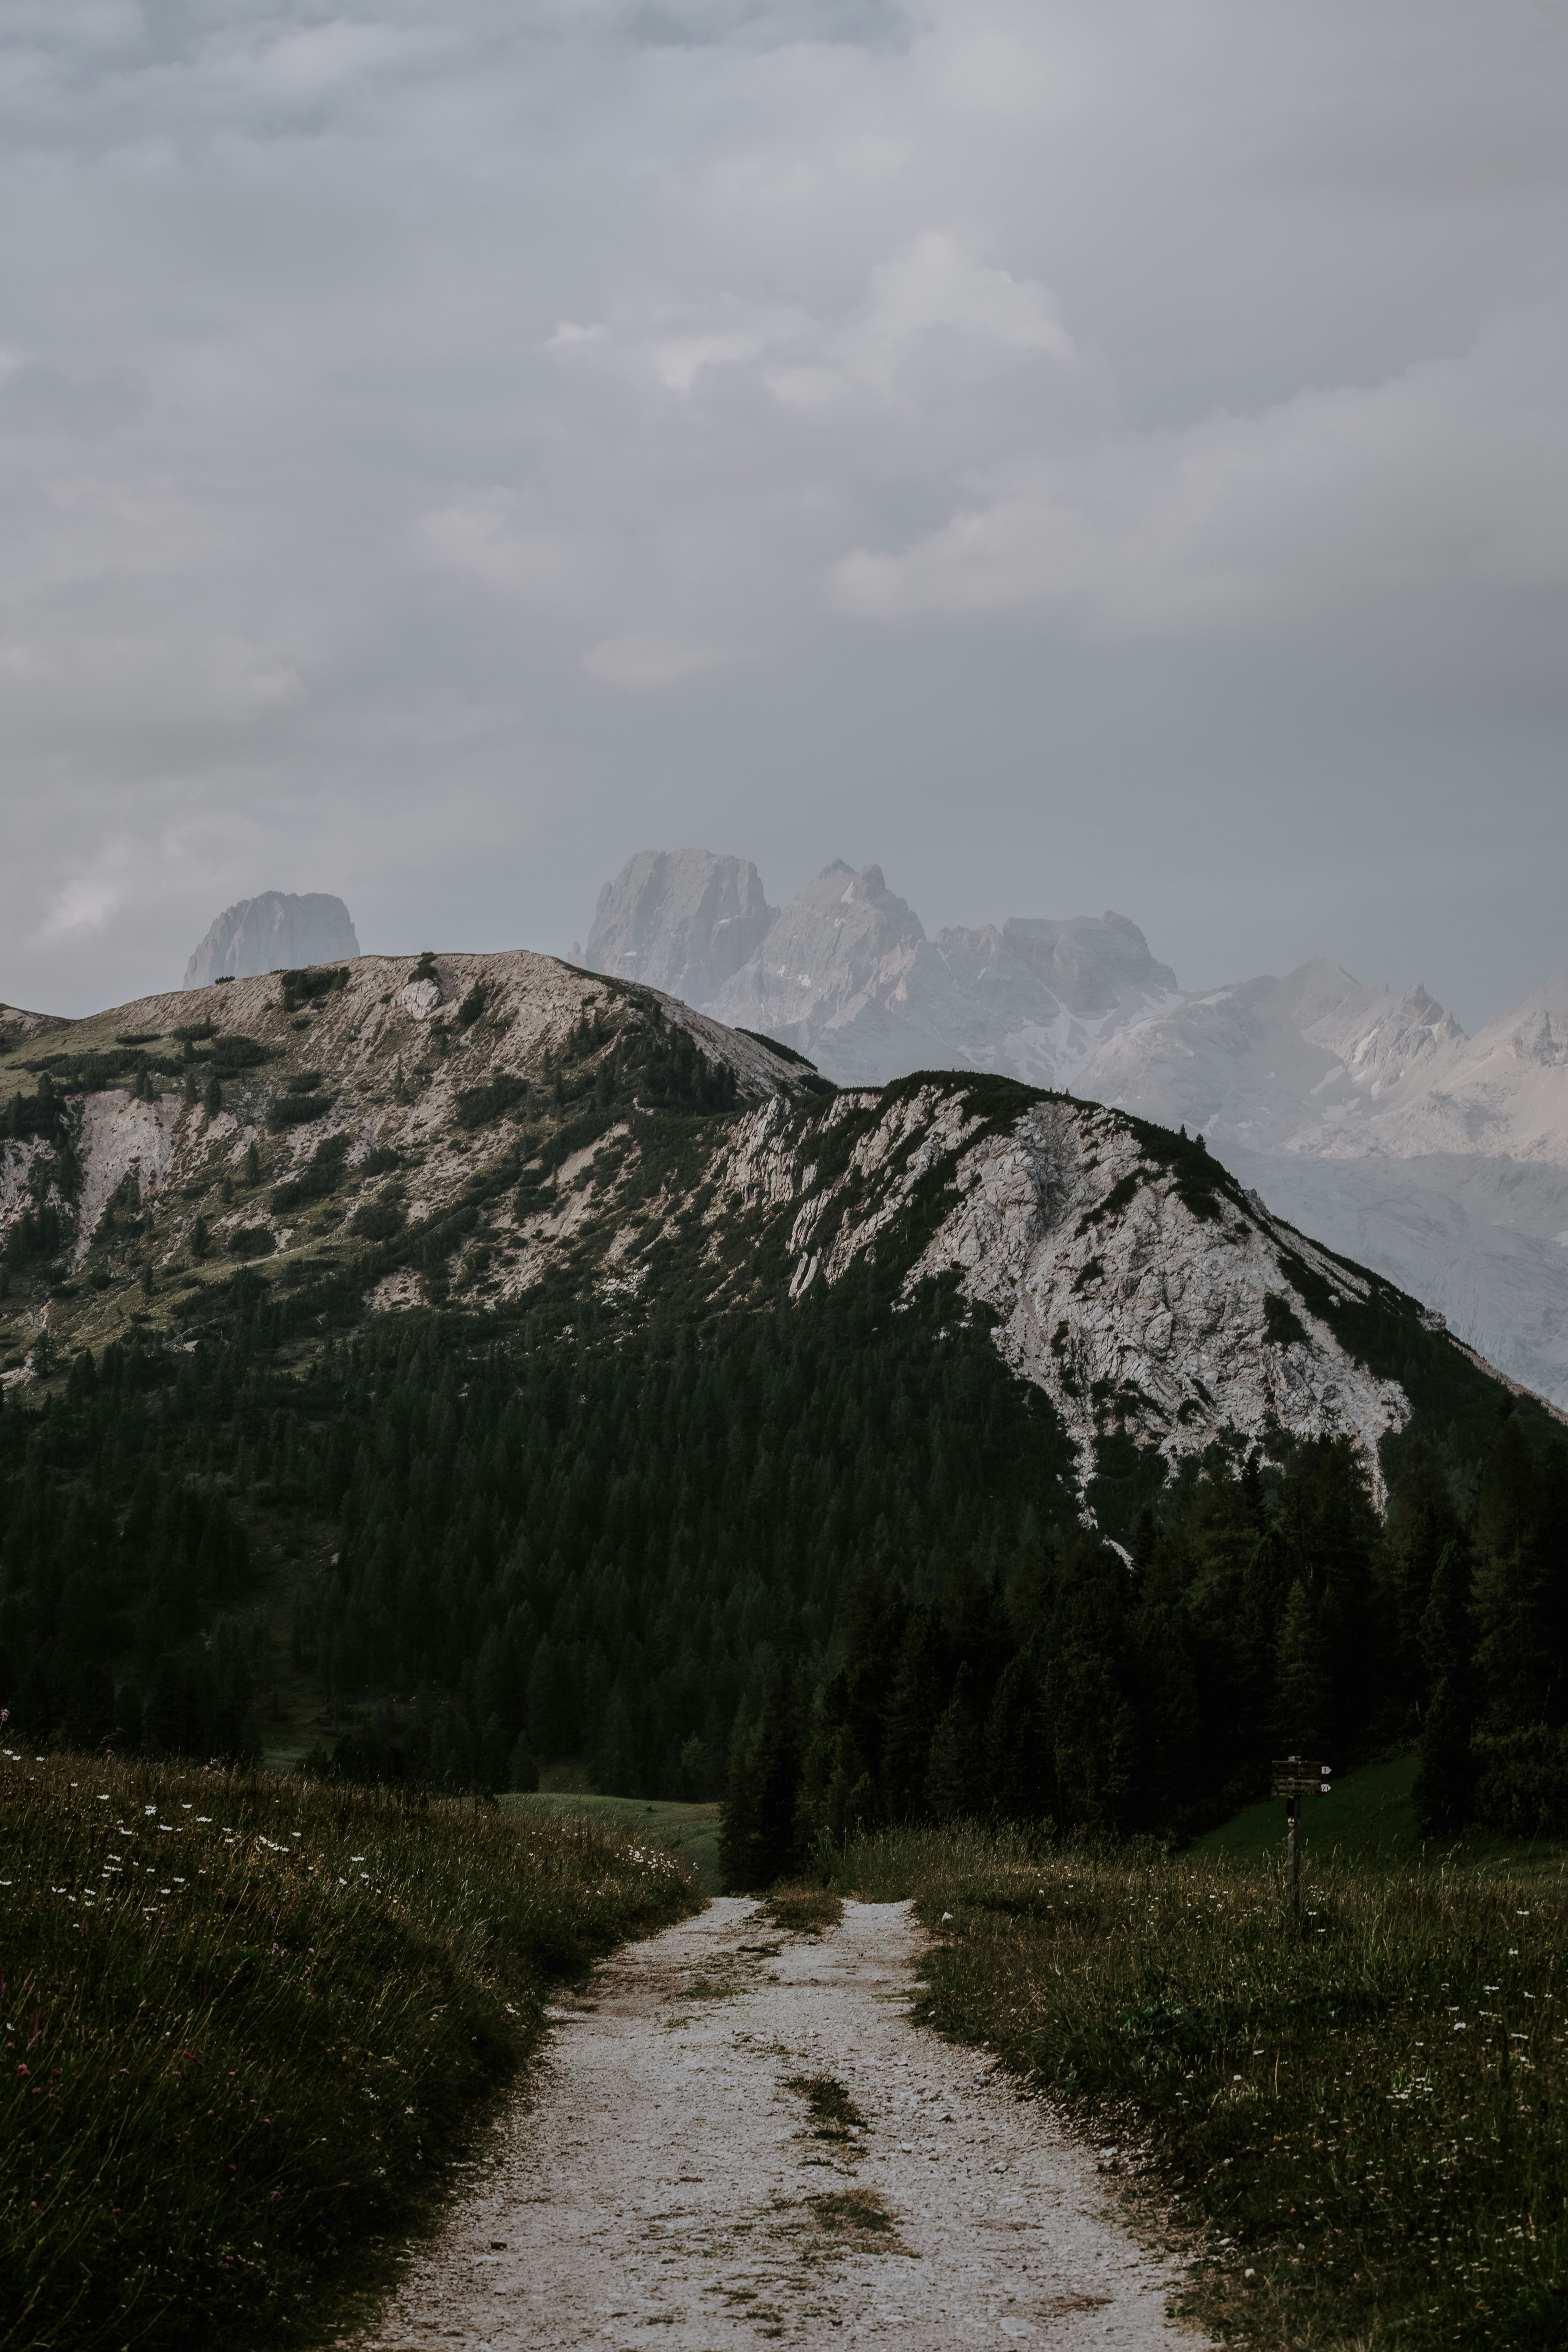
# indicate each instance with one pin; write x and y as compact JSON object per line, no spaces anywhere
{"x":738,"y":2135}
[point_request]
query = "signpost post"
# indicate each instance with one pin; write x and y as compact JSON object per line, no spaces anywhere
{"x":1294,"y":1779}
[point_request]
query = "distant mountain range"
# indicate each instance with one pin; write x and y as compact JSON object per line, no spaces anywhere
{"x":1366,"y":1117}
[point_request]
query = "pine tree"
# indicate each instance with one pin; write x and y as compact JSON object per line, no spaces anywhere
{"x":212,"y":1098}
{"x":1018,"y":1757}
{"x":955,"y":1772}
{"x":1300,"y":1701}
{"x":1444,"y":1784}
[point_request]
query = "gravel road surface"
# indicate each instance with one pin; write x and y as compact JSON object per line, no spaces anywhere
{"x":738,"y":2135}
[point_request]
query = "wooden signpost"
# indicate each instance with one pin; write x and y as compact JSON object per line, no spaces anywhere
{"x":1295,"y":1777}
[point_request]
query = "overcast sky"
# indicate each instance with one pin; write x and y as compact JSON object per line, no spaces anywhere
{"x":1075,"y":454}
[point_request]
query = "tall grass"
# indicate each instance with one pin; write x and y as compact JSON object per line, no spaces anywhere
{"x":1368,"y":2117}
{"x":246,"y":2024}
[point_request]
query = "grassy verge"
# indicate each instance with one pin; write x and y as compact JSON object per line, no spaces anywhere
{"x":690,"y":1832}
{"x":1366,"y":2121}
{"x":248,"y":2022}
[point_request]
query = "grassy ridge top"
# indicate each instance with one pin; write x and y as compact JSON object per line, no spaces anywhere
{"x":248,"y":2022}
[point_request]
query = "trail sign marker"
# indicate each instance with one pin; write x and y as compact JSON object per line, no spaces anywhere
{"x":1295,"y":1777}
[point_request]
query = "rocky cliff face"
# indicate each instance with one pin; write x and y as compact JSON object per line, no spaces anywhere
{"x":680,"y":919}
{"x":279,"y":931}
{"x":1146,"y":1297}
{"x":1364,"y":1115}
{"x":849,"y":977}
{"x":508,"y":1135}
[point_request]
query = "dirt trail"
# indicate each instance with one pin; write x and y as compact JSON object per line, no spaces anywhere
{"x":663,"y":2174}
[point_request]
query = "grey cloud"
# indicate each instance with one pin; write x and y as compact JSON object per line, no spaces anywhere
{"x":1073,"y":454}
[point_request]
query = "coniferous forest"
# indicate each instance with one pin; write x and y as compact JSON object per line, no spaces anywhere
{"x":825,"y":1560}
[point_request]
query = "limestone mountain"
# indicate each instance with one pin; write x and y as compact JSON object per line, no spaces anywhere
{"x":467,"y":1361}
{"x":847,"y":975}
{"x":507,"y":1135}
{"x":681,"y":921}
{"x":276,"y":931}
{"x":1364,"y":1114}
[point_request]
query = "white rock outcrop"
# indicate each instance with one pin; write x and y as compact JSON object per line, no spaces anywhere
{"x":1132,"y":1310}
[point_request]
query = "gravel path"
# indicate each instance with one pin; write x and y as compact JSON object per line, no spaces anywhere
{"x":737,"y":2133}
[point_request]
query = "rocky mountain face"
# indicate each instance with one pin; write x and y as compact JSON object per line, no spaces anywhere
{"x":506,"y":1135}
{"x":681,"y":921}
{"x":1362,"y":1114}
{"x":847,"y":976}
{"x":279,"y":931}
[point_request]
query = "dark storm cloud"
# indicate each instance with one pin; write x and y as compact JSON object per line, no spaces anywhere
{"x":1075,"y":454}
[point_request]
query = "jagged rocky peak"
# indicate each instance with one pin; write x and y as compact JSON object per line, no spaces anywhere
{"x":278,"y":929}
{"x":681,"y":919}
{"x":821,"y":955}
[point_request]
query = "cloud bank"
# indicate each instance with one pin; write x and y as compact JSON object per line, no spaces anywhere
{"x":1074,"y":453}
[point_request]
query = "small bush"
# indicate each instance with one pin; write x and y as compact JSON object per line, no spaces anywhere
{"x":477,"y":1106}
{"x":378,"y":1221}
{"x":251,"y":1241}
{"x":297,"y":1110}
{"x":231,"y":1052}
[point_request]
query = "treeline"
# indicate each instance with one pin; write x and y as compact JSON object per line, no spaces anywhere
{"x":1270,"y":1611}
{"x":597,"y":1547}
{"x":826,"y":1558}
{"x":589,"y":1545}
{"x":123,"y":1575}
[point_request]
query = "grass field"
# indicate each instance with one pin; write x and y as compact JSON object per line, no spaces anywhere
{"x":1370,"y":1819}
{"x":1362,"y":2127}
{"x":250,"y":2024}
{"x":690,"y":1832}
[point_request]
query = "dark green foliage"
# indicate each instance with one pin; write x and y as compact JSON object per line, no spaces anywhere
{"x":305,"y":987}
{"x":760,"y":1838}
{"x":321,"y":1175}
{"x":1445,"y":1786}
{"x":379,"y":1220}
{"x":232,"y":1053}
{"x":475,"y":1106}
{"x":297,"y":1109}
{"x":1266,"y":1613}
{"x":472,"y":1005}
{"x":39,"y":1233}
{"x":1282,"y":1323}
{"x":40,"y":1114}
{"x":251,"y":1241}
{"x":670,"y":1071}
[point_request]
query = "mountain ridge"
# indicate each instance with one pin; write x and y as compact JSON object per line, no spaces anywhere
{"x":1365,"y":1113}
{"x":511,"y":1134}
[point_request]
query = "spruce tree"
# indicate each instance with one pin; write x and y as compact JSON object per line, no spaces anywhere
{"x":955,"y":1772}
{"x":1444,"y":1784}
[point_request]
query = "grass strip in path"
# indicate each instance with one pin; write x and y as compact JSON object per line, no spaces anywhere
{"x":248,"y":2022}
{"x":1367,"y":2121}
